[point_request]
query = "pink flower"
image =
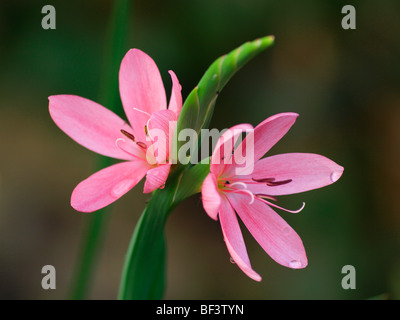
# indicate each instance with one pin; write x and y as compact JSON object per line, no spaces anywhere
{"x":100,"y":130}
{"x":231,"y":188}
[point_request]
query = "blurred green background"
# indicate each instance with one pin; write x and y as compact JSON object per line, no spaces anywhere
{"x":343,"y":83}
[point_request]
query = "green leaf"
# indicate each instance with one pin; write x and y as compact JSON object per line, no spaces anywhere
{"x":199,"y":106}
{"x":143,"y":275}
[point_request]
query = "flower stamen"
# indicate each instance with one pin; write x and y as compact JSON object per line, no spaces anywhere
{"x":132,"y":137}
{"x":278,"y":207}
{"x":238,"y":183}
{"x":128,"y":135}
{"x":271,"y":181}
{"x":141,"y":144}
{"x":146,"y":113}
{"x":260,"y":196}
{"x":266,"y":196}
{"x":251,"y":194}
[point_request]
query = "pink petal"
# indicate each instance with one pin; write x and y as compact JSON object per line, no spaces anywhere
{"x":107,"y":185}
{"x":161,"y":127}
{"x":265,"y":135}
{"x":175,"y":102}
{"x":210,"y":196}
{"x":90,"y":124}
{"x":234,"y":240}
{"x":273,"y":234}
{"x":306,"y":170}
{"x":221,"y":158}
{"x":141,"y":87}
{"x":156,"y":178}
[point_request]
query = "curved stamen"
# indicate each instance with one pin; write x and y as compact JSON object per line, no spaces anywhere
{"x":251,"y":194}
{"x":278,"y":207}
{"x":146,"y":129}
{"x":142,"y":111}
{"x":260,"y":196}
{"x":238,"y":183}
{"x":245,"y":180}
{"x":244,"y":191}
{"x":122,"y":149}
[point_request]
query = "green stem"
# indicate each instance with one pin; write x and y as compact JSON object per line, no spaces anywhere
{"x":143,"y":274}
{"x":109,"y":97}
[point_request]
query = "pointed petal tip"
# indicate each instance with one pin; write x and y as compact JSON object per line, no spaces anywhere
{"x":298,"y":264}
{"x":336,"y":174}
{"x":175,"y":80}
{"x":76,"y":207}
{"x":107,"y":185}
{"x":175,"y":102}
{"x":255,"y":276}
{"x":134,"y":51}
{"x":53,"y":98}
{"x":293,"y":114}
{"x":76,"y":203}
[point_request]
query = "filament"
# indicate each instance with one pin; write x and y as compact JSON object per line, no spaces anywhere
{"x":238,"y":183}
{"x":142,"y":111}
{"x":259,"y":196}
{"x":278,"y":207}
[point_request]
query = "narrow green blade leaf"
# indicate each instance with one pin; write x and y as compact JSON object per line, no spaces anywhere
{"x":198,"y":107}
{"x":143,"y":274}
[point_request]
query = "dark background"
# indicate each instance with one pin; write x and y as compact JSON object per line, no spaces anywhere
{"x":343,"y":83}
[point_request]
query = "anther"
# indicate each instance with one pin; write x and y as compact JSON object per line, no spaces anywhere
{"x":271,"y":181}
{"x":141,"y":144}
{"x":266,"y":196}
{"x":128,"y":135}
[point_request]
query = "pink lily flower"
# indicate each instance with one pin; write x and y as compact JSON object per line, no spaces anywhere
{"x":230,"y":188}
{"x":100,"y":130}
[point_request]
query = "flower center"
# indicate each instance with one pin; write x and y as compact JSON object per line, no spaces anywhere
{"x":241,"y":187}
{"x":147,"y":152}
{"x":132,"y":137}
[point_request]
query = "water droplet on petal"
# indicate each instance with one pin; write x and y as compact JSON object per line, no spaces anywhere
{"x":295,"y":264}
{"x":286,"y":230}
{"x":335,"y":175}
{"x":231,"y":260}
{"x":121,"y":188}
